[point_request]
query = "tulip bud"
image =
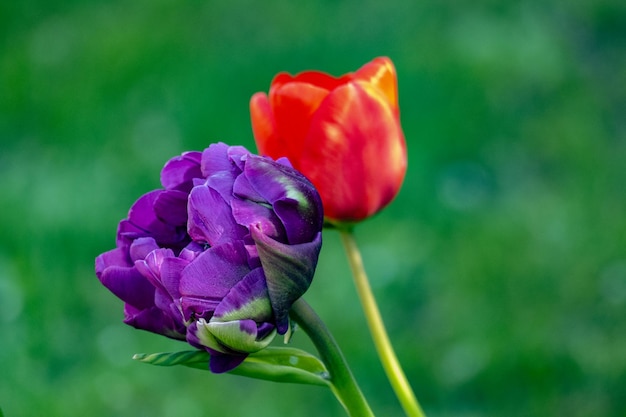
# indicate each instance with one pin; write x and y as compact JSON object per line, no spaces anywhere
{"x":220,"y":254}
{"x":343,"y":134}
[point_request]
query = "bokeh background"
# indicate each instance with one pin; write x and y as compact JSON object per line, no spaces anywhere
{"x":500,"y":268}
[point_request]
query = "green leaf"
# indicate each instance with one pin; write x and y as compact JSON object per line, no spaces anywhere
{"x":192,"y":358}
{"x":278,"y":364}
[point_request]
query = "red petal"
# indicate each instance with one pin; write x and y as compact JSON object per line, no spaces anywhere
{"x":355,"y":152}
{"x":279,"y":80}
{"x":264,"y":125}
{"x":294,"y":104}
{"x":382,"y":74}
{"x":316,"y":78}
{"x":321,"y":79}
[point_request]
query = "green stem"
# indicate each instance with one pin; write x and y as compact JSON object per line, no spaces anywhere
{"x":342,"y":381}
{"x":387,"y":356}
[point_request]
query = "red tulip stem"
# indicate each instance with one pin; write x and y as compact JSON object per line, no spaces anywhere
{"x":387,"y":356}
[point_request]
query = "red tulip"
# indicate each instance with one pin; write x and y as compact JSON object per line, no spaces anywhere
{"x":342,"y":133}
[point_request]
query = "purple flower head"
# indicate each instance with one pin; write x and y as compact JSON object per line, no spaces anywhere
{"x":218,"y":256}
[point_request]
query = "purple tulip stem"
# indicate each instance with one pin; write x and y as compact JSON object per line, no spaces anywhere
{"x":342,"y":381}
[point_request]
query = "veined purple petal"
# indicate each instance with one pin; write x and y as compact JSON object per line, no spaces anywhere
{"x":238,"y":155}
{"x":244,"y":190}
{"x":164,"y":302}
{"x":142,"y":221}
{"x":127,"y":232}
{"x":293,"y":198}
{"x":216,"y":159}
{"x":253,"y":254}
{"x":284,"y":161}
{"x":210,"y":217}
{"x":179,"y":172}
{"x":142,"y":299}
{"x":247,"y":213}
{"x":162,"y":268}
{"x":141,"y":213}
{"x":221,"y":166}
{"x":114,"y":257}
{"x":248,"y":299}
{"x":171,"y":272}
{"x":222,"y":182}
{"x":141,"y":247}
{"x":207,"y":280}
{"x":125,"y":282}
{"x":191,"y":251}
{"x":264,"y":330}
{"x":150,"y":266}
{"x":153,"y":320}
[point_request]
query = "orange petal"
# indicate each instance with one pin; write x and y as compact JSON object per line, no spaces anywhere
{"x":355,"y":152}
{"x":264,"y":126}
{"x":381,"y":73}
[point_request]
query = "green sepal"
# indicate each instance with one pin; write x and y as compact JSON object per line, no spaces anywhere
{"x":217,"y":335}
{"x":278,"y":364}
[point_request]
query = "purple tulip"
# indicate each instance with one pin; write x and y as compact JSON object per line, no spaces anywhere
{"x":219,"y":255}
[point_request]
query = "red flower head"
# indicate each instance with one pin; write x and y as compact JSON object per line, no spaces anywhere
{"x":343,"y":133}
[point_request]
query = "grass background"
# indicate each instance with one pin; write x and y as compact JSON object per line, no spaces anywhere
{"x":500,"y":267}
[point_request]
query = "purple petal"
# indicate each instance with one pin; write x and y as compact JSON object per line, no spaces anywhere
{"x":248,"y":299}
{"x":114,"y":257}
{"x":248,"y":213}
{"x":215,"y":159}
{"x":141,"y":213}
{"x":191,"y":251}
{"x":207,"y":280}
{"x":179,"y":172}
{"x":244,"y":190}
{"x":171,"y":207}
{"x":140,"y":248}
{"x":127,"y":232}
{"x":238,"y":155}
{"x":163,"y":301}
{"x":153,"y":320}
{"x":163,"y":270}
{"x":143,"y":222}
{"x":125,"y":282}
{"x":294,"y":199}
{"x":221,"y":165}
{"x":210,"y":217}
{"x":284,"y":161}
{"x":264,"y":330}
{"x":253,"y":254}
{"x":220,"y":362}
{"x":220,"y":168}
{"x":171,"y":273}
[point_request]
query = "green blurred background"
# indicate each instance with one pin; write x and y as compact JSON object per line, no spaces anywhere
{"x":500,"y":268}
